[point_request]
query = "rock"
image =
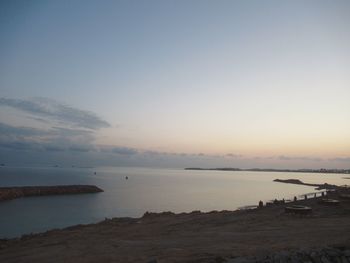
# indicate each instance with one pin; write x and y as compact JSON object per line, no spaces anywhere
{"x":325,"y":255}
{"x":324,"y":259}
{"x":303,"y":255}
{"x":331,"y":252}
{"x":8,"y":193}
{"x":241,"y":260}
{"x":281,"y":257}
{"x":261,"y":258}
{"x":295,"y":260}
{"x":315,"y":257}
{"x":344,"y":260}
{"x":219,"y":259}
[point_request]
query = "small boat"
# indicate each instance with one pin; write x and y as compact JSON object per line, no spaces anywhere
{"x":298,"y":209}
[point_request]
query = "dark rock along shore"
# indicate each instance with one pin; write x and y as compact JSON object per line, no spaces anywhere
{"x":8,"y":193}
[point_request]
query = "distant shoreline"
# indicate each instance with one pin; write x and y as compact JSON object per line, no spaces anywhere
{"x":328,"y":171}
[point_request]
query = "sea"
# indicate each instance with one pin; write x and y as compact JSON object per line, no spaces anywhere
{"x":130,"y":192}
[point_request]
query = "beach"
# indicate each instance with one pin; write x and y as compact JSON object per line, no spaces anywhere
{"x":187,"y":237}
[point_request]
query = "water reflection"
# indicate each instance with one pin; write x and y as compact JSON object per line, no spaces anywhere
{"x":145,"y":190}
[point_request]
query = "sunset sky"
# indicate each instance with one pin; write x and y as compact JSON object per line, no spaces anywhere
{"x":175,"y":83}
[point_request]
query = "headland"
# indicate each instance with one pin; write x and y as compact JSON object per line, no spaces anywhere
{"x":334,"y":171}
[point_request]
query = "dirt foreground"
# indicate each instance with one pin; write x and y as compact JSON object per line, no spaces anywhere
{"x":186,"y":237}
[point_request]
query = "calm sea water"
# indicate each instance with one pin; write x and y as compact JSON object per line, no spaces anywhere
{"x":146,"y":189}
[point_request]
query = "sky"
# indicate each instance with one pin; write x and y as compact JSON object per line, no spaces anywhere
{"x":175,"y":83}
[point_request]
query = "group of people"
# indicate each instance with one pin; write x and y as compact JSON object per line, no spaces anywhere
{"x":261,"y":204}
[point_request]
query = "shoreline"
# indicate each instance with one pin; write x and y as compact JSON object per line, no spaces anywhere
{"x":187,"y":237}
{"x":94,"y":189}
{"x":231,"y":169}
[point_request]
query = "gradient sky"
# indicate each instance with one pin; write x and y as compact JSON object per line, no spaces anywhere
{"x":176,"y":83}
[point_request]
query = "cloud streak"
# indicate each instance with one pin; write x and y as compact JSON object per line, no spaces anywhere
{"x":124,"y":151}
{"x":54,"y":139}
{"x":340,"y":159}
{"x":299,"y":158}
{"x":53,"y":110}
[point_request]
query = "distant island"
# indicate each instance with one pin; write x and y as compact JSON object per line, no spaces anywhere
{"x":9,"y":193}
{"x":331,"y":171}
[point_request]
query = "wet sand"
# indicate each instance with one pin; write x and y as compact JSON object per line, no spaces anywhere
{"x":186,"y":237}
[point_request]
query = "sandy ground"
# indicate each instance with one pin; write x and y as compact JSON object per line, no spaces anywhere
{"x":191,"y":237}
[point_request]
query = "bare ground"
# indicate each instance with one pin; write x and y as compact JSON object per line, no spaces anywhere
{"x":187,"y":237}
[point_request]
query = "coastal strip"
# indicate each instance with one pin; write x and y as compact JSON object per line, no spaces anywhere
{"x":229,"y":169}
{"x":318,"y":186}
{"x":262,"y":235}
{"x":9,"y":193}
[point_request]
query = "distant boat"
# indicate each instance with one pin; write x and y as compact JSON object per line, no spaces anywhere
{"x":94,"y":172}
{"x":126,"y":178}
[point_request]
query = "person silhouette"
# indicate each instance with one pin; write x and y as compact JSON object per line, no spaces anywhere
{"x":261,"y":204}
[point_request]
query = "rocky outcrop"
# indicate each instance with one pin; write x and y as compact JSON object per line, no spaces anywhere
{"x":296,"y":181}
{"x":8,"y":193}
{"x":320,"y":255}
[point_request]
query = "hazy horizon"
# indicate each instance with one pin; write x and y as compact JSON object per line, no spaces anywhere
{"x":175,"y":83}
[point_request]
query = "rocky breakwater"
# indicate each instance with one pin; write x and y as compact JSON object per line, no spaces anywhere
{"x":8,"y":193}
{"x":316,"y":255}
{"x":318,"y":186}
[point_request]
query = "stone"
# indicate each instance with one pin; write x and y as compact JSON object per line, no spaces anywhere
{"x":344,"y":260}
{"x":332,"y":252}
{"x":295,"y":259}
{"x":315,"y":257}
{"x":324,"y":259}
{"x":241,"y":260}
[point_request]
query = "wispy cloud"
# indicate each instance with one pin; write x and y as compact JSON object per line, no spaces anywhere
{"x":45,"y":108}
{"x":20,"y":145}
{"x":233,"y":155}
{"x":81,"y":148}
{"x":54,"y":139}
{"x":11,"y":131}
{"x":299,"y":158}
{"x":124,"y":151}
{"x":340,"y":159}
{"x":8,"y":131}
